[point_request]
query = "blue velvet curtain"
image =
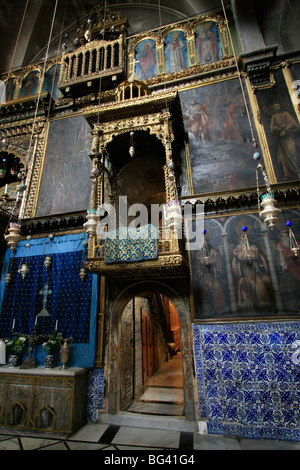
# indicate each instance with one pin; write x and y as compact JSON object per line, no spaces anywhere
{"x":46,"y":296}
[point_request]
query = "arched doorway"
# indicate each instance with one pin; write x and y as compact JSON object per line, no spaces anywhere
{"x":121,"y":365}
{"x":151,"y":374}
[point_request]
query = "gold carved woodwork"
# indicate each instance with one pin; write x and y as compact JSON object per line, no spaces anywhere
{"x":164,"y":265}
{"x":155,"y":114}
{"x":19,"y":75}
{"x":26,"y":139}
{"x":102,"y":21}
{"x":261,"y":133}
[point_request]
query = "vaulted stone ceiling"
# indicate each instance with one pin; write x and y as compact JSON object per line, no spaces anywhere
{"x":31,"y":47}
{"x":277,"y":21}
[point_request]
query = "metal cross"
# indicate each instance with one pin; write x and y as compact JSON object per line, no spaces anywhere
{"x":45,"y":292}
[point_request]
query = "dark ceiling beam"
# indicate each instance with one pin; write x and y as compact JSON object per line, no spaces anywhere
{"x":247,"y":26}
{"x":29,"y":25}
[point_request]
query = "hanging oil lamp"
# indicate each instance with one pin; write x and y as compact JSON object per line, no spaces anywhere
{"x":3,"y":168}
{"x":91,"y":224}
{"x":294,"y":247}
{"x":7,"y":279}
{"x":247,"y":245}
{"x":131,"y":148}
{"x":88,"y":32}
{"x":13,"y":236}
{"x":206,"y":258}
{"x":47,"y":262}
{"x":266,"y":203}
{"x":82,"y":273}
{"x":23,"y":270}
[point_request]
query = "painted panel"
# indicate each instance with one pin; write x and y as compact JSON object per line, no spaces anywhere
{"x":176,"y":56}
{"x":51,"y":81}
{"x":208,"y":44}
{"x":66,"y":161}
{"x":282,"y":129}
{"x":30,"y":84}
{"x":253,"y":273}
{"x":145,"y":54}
{"x":220,"y":141}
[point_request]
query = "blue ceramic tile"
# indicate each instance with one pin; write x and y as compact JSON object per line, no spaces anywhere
{"x":248,"y":367}
{"x":227,"y":356}
{"x":242,"y":356}
{"x":231,"y":413}
{"x":232,"y":393}
{"x":95,"y":393}
{"x":249,"y":396}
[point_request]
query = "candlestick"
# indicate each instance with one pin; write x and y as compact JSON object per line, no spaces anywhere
{"x":56,"y":325}
{"x":5,"y":192}
{"x":36,"y":319}
{"x":13,"y":325}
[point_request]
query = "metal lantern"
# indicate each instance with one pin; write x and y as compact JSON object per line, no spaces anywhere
{"x":131,"y":148}
{"x":7,"y":279}
{"x":206,"y":257}
{"x":23,"y":270}
{"x":82,"y":274}
{"x":174,"y":215}
{"x":266,"y":203}
{"x":47,"y":262}
{"x":13,"y":236}
{"x":91,"y":224}
{"x":294,"y":247}
{"x":270,"y":212}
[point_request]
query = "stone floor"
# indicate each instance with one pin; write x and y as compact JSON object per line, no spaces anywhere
{"x":115,"y":438}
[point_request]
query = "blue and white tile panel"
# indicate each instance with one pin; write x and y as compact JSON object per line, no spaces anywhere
{"x":248,"y":379}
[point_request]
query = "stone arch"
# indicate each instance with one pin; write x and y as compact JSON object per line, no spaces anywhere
{"x":142,"y":288}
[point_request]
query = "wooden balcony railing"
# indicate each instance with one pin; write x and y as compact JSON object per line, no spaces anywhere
{"x":92,"y":61}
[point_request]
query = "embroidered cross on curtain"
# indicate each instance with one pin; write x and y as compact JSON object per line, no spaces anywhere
{"x":53,"y":296}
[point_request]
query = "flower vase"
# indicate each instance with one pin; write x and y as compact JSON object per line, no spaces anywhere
{"x":49,"y":361}
{"x":64,"y":352}
{"x":12,"y":360}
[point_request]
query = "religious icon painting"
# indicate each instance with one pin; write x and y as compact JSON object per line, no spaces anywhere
{"x":208,"y":44}
{"x":51,"y":81}
{"x":284,"y":240}
{"x":281,"y":127}
{"x":10,"y":88}
{"x":219,"y":137}
{"x":208,"y":266}
{"x":145,"y":55}
{"x":30,"y":84}
{"x":176,"y":56}
{"x":295,"y":73}
{"x":245,"y":271}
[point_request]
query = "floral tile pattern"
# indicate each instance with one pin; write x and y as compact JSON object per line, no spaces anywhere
{"x":95,"y":393}
{"x":248,"y":384}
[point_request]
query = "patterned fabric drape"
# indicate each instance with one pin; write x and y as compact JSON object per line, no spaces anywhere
{"x":128,"y":244}
{"x":53,"y":296}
